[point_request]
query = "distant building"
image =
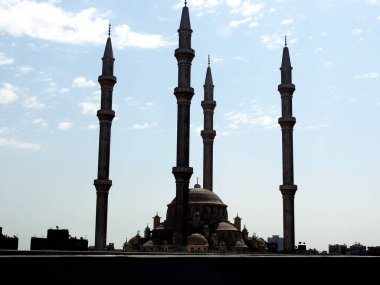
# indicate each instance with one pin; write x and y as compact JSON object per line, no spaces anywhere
{"x":58,"y":239}
{"x":275,"y":243}
{"x":337,"y":249}
{"x":373,"y":250}
{"x":358,"y":249}
{"x":7,"y":242}
{"x":301,"y":248}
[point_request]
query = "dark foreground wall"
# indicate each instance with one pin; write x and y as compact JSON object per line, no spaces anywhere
{"x":90,"y":268}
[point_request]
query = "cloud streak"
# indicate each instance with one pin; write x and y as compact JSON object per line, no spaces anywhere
{"x":8,"y":93}
{"x":47,"y":21}
{"x":82,"y":82}
{"x":4,"y":59}
{"x":369,"y":75}
{"x":15,"y":144}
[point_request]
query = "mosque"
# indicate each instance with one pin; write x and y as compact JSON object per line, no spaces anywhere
{"x":197,"y":218}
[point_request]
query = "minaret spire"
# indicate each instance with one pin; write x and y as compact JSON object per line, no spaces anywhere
{"x":102,"y":184}
{"x":208,"y":134}
{"x":184,"y":93}
{"x":287,"y":122}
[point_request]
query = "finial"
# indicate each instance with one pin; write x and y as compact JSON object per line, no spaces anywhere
{"x":285,"y":41}
{"x":109,"y":30}
{"x":185,"y":3}
{"x":197,"y":180}
{"x":208,"y":60}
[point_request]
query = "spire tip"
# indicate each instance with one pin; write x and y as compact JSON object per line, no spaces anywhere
{"x":109,"y":30}
{"x":286,"y":44}
{"x":208,"y":60}
{"x":185,"y":3}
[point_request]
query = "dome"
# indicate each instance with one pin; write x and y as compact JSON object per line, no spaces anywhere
{"x":148,"y":243}
{"x":240,"y":244}
{"x":196,"y":239}
{"x":223,"y":226}
{"x":200,"y":195}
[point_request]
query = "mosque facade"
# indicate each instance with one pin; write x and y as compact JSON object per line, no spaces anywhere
{"x":196,"y":219}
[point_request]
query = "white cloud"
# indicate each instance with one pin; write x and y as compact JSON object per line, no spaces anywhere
{"x":244,"y":118}
{"x":3,"y":130}
{"x":25,"y":69}
{"x":64,"y":90}
{"x":89,"y":107}
{"x":143,"y":126}
{"x":48,"y":21}
{"x":328,"y":63}
{"x":271,"y":10}
{"x":5,"y":59}
{"x":253,"y":25}
{"x":233,"y":3}
{"x":12,"y":143}
{"x":247,"y":9}
{"x":369,"y":75}
{"x":33,"y":103}
{"x":240,"y":58}
{"x":124,"y":37}
{"x":8,"y":93}
{"x":276,"y":40}
{"x":319,"y":50}
{"x":64,"y":126}
{"x":234,"y":24}
{"x":254,"y":116}
{"x":324,"y":34}
{"x":357,"y":31}
{"x":200,"y":4}
{"x":92,"y":127}
{"x":287,"y":21}
{"x":373,"y":2}
{"x":82,"y":82}
{"x":217,"y":60}
{"x":378,"y":17}
{"x":40,"y":122}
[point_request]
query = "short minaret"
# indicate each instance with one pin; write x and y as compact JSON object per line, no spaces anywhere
{"x":156,"y":221}
{"x":208,"y":134}
{"x":287,"y":121}
{"x":237,"y":222}
{"x":105,"y":115}
{"x":184,"y":93}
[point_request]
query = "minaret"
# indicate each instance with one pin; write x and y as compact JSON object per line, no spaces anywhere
{"x":105,"y":115}
{"x":184,"y":93}
{"x":287,"y":121}
{"x":208,"y":134}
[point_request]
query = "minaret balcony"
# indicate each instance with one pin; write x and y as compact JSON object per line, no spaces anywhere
{"x":287,"y":122}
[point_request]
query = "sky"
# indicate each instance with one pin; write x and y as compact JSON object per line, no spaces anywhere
{"x":50,"y":59}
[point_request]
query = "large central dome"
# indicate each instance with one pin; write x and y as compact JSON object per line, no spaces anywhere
{"x":201,"y":195}
{"x":204,"y":203}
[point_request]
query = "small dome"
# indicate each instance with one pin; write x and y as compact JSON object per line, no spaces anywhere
{"x":240,"y":244}
{"x":148,"y":243}
{"x":223,"y":226}
{"x":197,"y":186}
{"x":196,"y":239}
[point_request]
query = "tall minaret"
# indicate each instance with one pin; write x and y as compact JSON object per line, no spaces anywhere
{"x":287,"y":121}
{"x":105,"y":115}
{"x":184,"y":93}
{"x":208,"y":134}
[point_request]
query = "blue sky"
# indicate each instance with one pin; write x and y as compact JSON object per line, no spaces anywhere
{"x":50,"y":58}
